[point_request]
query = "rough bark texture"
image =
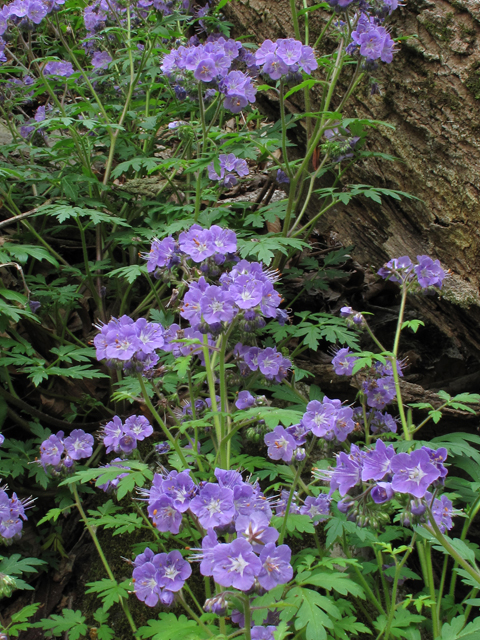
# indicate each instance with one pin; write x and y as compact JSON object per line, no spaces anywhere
{"x":431,"y":93}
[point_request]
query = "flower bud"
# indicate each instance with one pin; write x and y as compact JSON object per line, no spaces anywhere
{"x":7,"y":585}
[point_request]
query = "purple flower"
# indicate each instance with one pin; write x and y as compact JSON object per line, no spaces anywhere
{"x":274,"y":67}
{"x":139,"y":426}
{"x":111,"y":433}
{"x":263,"y":633}
{"x":213,"y":506}
{"x":280,"y":444}
{"x":290,"y":51}
{"x":147,"y":588}
{"x":382,"y":422}
{"x":442,"y":511}
{"x":51,"y":450}
{"x":256,"y":530}
{"x":12,"y":512}
{"x":113,"y":484}
{"x":197,"y":243}
{"x":206,"y":70}
{"x":269,"y":362}
{"x":429,"y":273}
{"x":437,"y":458}
{"x":343,"y":363}
{"x":282,"y":177}
{"x":281,"y":505}
{"x":267,"y":48}
{"x":413,"y":473}
{"x":2,"y":439}
{"x":163,"y":253}
{"x":377,"y":462}
{"x":343,"y":424}
{"x":275,"y":563}
{"x":61,"y":68}
{"x":235,"y":564}
{"x":397,"y":270}
{"x":307,"y":60}
{"x":101,"y":59}
{"x":180,"y":488}
{"x":173,"y":570}
{"x":164,"y":515}
{"x":224,"y":240}
{"x":245,"y":400}
{"x":217,"y":306}
{"x":78,"y":444}
{"x":382,"y":492}
{"x":127,"y":442}
{"x":317,"y":508}
{"x":36,"y":12}
{"x":319,"y":417}
{"x":347,"y":473}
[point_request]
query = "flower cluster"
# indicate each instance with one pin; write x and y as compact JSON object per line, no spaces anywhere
{"x":285,"y":57}
{"x":157,"y":577}
{"x":246,"y":291}
{"x":132,"y":345}
{"x":12,"y":512}
{"x":229,"y":506}
{"x":112,"y":484}
{"x":379,"y":385}
{"x":59,"y":68}
{"x":211,"y":63}
{"x":327,"y":419}
{"x":270,"y":362}
{"x":26,"y":13}
{"x":102,"y":13}
{"x":197,"y":244}
{"x":372,"y":40}
{"x":426,"y":272}
{"x":59,"y":452}
{"x":385,"y":474}
{"x":229,"y":165}
{"x":123,"y":437}
{"x":340,"y":143}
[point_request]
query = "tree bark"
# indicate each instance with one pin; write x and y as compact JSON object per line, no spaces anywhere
{"x":431,"y":94}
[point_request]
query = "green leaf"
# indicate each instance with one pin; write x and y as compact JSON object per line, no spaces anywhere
{"x":25,"y":613}
{"x":339,"y":582}
{"x":169,"y":627}
{"x":72,"y":622}
{"x":110,"y":591}
{"x":413,"y":325}
{"x":313,"y":613}
{"x":295,"y":522}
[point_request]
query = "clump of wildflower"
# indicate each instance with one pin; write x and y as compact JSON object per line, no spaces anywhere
{"x":12,"y":515}
{"x":132,"y":345}
{"x":372,"y":40}
{"x":158,"y":577}
{"x":426,"y":273}
{"x":59,"y":452}
{"x":229,"y":166}
{"x":123,"y":437}
{"x":285,"y":57}
{"x":211,"y":64}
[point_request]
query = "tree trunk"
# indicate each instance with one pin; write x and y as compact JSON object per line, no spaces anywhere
{"x":431,"y":94}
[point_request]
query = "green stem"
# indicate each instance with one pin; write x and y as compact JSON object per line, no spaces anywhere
{"x":289,"y":502}
{"x":93,"y":535}
{"x":160,"y":422}
{"x":323,"y":31}
{"x":213,"y":399}
{"x":431,"y":586}
{"x":393,"y":360}
{"x":369,"y":593}
{"x":296,"y":25}
{"x":284,"y":129}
